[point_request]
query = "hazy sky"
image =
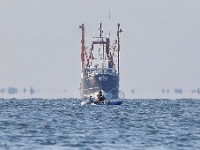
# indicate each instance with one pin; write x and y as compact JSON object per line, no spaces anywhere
{"x":160,"y":47}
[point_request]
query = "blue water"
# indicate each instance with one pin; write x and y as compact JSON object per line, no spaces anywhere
{"x":63,"y":124}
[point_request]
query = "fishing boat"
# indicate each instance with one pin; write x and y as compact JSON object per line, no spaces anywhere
{"x":100,"y":64}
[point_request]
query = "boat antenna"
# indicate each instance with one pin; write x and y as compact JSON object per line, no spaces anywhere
{"x":109,"y":23}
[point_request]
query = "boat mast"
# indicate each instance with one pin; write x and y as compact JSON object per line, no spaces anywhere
{"x":101,"y":38}
{"x":83,"y":45}
{"x":100,"y":34}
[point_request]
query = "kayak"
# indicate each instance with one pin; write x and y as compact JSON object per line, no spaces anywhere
{"x":101,"y":103}
{"x":110,"y":103}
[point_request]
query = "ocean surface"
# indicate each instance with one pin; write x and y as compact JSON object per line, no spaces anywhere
{"x":63,"y":124}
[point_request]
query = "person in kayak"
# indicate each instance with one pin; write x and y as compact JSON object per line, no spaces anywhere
{"x":100,"y":98}
{"x":90,"y":100}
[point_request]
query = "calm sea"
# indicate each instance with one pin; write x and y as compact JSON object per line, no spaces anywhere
{"x":63,"y":124}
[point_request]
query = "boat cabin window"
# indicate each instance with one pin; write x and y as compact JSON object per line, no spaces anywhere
{"x":94,"y":71}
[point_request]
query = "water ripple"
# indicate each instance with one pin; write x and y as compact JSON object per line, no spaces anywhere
{"x":65,"y":124}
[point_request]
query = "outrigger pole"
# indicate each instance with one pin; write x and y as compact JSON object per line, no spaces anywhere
{"x":118,"y":42}
{"x":83,"y":45}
